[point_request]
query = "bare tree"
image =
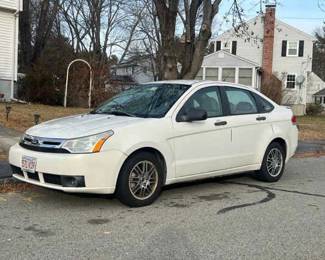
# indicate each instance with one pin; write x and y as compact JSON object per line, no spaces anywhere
{"x":25,"y":37}
{"x":47,"y":15}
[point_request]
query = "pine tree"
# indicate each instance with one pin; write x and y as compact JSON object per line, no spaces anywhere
{"x":319,"y":54}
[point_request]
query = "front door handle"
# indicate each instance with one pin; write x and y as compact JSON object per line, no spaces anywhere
{"x":261,"y":118}
{"x":219,"y":123}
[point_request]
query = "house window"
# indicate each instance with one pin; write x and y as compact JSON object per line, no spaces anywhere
{"x":291,"y":81}
{"x":226,"y":46}
{"x":199,"y":75}
{"x":229,"y":75}
{"x":245,"y":76}
{"x":318,"y":100}
{"x":211,"y":73}
{"x":292,"y":48}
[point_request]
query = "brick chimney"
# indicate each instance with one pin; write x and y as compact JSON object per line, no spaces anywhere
{"x":268,"y":40}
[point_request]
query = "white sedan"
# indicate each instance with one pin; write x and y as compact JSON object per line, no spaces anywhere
{"x":157,"y":134}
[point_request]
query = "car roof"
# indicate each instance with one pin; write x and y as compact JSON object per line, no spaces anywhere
{"x":177,"y":81}
{"x":194,"y":83}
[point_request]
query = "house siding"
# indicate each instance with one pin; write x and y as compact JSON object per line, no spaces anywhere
{"x":282,"y":66}
{"x":8,"y":45}
{"x":11,"y":4}
{"x":249,"y":47}
{"x":315,"y":84}
{"x":7,"y":34}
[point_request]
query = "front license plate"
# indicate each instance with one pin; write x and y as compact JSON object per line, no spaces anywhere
{"x":28,"y":164}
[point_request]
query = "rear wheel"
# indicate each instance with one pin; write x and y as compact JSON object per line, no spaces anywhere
{"x":140,"y":180}
{"x":273,"y":163}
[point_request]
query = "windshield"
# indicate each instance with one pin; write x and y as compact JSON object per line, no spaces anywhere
{"x":150,"y":100}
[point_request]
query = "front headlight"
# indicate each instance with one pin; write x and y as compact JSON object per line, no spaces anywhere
{"x":88,"y":144}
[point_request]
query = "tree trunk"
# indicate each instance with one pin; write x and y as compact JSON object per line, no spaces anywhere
{"x":167,"y":22}
{"x":25,"y":37}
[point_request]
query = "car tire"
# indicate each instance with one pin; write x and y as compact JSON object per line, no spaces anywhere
{"x":140,"y":180}
{"x":273,"y":163}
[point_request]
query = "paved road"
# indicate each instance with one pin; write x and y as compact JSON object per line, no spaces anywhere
{"x":228,"y":218}
{"x":311,"y":146}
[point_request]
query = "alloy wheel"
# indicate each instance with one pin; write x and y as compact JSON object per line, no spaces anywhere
{"x":274,"y":162}
{"x":143,"y":180}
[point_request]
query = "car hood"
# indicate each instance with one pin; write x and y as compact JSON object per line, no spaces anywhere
{"x":81,"y":125}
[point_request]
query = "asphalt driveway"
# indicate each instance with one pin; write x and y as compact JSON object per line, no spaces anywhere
{"x":223,"y":218}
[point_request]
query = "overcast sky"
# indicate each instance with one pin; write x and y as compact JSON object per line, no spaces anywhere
{"x":303,"y":14}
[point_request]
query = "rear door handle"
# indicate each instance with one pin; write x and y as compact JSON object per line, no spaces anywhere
{"x":261,"y":118}
{"x":219,"y":123}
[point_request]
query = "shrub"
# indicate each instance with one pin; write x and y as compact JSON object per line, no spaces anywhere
{"x":44,"y":81}
{"x":272,"y":87}
{"x":314,"y":109}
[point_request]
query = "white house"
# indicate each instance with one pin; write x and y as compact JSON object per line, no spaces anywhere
{"x":140,"y":69}
{"x":9,"y":13}
{"x":266,"y":45}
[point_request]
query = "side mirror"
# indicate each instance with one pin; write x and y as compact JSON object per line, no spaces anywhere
{"x":194,"y":114}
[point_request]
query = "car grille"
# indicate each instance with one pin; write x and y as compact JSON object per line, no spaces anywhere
{"x":41,"y":144}
{"x":33,"y":176}
{"x":16,"y":170}
{"x":52,"y":179}
{"x":59,"y":180}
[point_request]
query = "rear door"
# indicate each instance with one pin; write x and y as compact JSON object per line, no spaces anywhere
{"x":250,"y":129}
{"x":202,"y":146}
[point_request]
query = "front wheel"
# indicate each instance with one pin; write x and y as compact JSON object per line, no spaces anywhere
{"x":273,"y":163}
{"x":140,"y":180}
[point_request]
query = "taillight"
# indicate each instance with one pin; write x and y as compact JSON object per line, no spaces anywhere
{"x":294,"y":120}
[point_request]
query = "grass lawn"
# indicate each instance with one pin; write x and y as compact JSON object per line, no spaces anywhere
{"x":21,"y":116}
{"x":311,"y":127}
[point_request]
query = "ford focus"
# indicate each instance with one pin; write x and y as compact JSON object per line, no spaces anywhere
{"x":158,"y":134}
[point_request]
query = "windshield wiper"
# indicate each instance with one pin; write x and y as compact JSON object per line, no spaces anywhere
{"x":118,"y":113}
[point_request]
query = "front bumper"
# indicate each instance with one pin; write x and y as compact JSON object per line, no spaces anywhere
{"x":100,"y":170}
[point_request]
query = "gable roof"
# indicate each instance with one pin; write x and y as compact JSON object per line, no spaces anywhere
{"x":320,"y":93}
{"x":277,"y":21}
{"x":224,"y":58}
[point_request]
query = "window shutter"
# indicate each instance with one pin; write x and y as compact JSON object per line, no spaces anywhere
{"x":301,"y":48}
{"x":234,"y":47}
{"x":218,"y":47}
{"x":284,"y":49}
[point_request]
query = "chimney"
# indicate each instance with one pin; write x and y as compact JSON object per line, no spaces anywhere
{"x":268,"y":40}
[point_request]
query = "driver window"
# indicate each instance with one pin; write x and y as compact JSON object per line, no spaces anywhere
{"x":207,"y":99}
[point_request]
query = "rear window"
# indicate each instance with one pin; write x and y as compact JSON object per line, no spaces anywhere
{"x":240,"y":101}
{"x":264,"y":106}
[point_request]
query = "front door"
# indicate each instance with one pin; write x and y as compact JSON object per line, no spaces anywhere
{"x":202,"y":146}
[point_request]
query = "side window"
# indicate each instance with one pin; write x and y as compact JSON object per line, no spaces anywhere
{"x":264,"y":105}
{"x":240,"y":101}
{"x":207,"y":99}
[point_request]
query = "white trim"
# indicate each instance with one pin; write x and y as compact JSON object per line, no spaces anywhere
{"x":286,"y":81}
{"x":297,"y":47}
{"x":252,"y":76}
{"x":235,"y":56}
{"x":236,"y":75}
{"x":237,"y":68}
{"x":230,"y":48}
{"x":254,"y":79}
